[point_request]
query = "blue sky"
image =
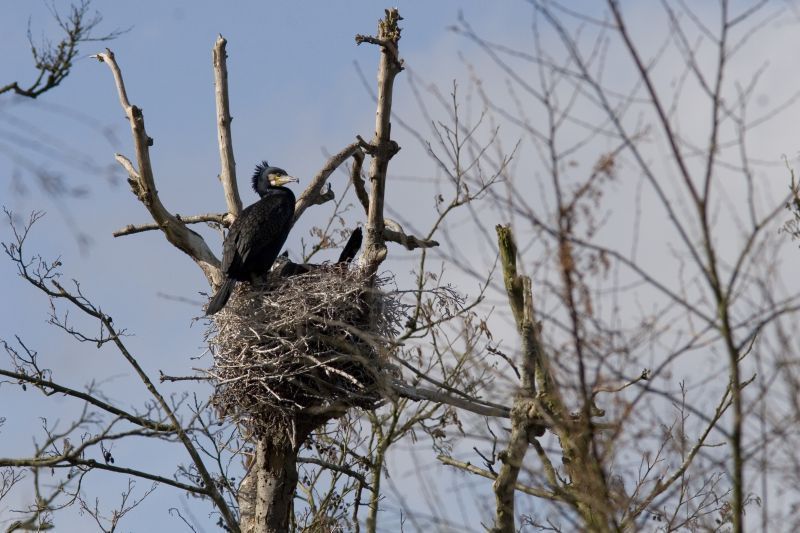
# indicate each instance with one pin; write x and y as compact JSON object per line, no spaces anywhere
{"x":296,"y":96}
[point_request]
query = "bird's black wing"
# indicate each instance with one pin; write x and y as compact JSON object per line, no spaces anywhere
{"x":255,"y":238}
{"x":231,"y":259}
{"x":264,"y":242}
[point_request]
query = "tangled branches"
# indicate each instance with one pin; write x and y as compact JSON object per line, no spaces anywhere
{"x":306,"y":344}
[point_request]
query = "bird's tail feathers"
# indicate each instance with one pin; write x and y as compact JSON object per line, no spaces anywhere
{"x":219,"y":299}
{"x":351,"y":248}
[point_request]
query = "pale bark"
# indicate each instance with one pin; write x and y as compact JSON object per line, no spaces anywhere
{"x":313,"y":195}
{"x":474,"y":406}
{"x":227,"y":175}
{"x":394,"y":232}
{"x":381,"y":148}
{"x":276,"y":480}
{"x":130,"y":229}
{"x":143,"y":185}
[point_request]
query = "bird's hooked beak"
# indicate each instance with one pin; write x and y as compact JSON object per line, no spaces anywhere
{"x":283,"y":180}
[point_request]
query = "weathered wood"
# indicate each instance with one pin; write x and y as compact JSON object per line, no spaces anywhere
{"x":381,"y":148}
{"x":313,"y":192}
{"x":143,"y":185}
{"x":227,"y":173}
{"x":276,"y":481}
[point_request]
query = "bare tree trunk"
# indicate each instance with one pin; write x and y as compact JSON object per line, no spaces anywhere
{"x":247,"y":503}
{"x":267,"y":492}
{"x":276,"y":480}
{"x":266,"y":495}
{"x":382,"y":148}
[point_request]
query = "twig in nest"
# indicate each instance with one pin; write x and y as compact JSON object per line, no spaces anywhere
{"x":301,"y":343}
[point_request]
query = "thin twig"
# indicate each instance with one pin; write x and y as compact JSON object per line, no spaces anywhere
{"x":219,"y":218}
{"x":539,"y":493}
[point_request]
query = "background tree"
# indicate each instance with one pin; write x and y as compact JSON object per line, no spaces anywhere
{"x":54,"y":61}
{"x":30,"y":147}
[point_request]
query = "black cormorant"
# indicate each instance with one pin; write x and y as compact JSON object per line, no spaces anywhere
{"x":256,"y":236}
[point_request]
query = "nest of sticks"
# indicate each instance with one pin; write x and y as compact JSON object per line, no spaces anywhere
{"x":302,"y":344}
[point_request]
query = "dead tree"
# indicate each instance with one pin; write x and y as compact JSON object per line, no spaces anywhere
{"x":277,"y":433}
{"x":351,"y":336}
{"x":567,"y":100}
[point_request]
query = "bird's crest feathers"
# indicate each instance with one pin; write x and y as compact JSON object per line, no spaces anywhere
{"x":257,"y":174}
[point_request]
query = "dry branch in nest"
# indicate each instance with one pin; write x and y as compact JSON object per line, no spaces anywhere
{"x":302,"y":344}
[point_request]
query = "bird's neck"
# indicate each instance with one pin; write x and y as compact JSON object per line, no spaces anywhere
{"x":273,"y":189}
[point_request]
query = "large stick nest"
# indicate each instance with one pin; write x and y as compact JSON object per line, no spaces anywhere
{"x":304,"y":343}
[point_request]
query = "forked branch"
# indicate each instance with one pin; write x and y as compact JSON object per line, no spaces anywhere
{"x":381,"y":148}
{"x":142,"y":184}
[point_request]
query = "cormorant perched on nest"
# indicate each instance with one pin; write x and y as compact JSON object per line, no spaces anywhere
{"x":255,"y":238}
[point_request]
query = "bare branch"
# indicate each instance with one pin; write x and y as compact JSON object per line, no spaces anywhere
{"x":143,"y":184}
{"x":54,"y":62}
{"x":644,"y":376}
{"x":88,"y":398}
{"x":222,"y":219}
{"x":72,"y":459}
{"x":337,"y":468}
{"x":382,"y":148}
{"x":422,"y":394}
{"x":393,"y":232}
{"x":313,"y":193}
{"x":162,"y":377}
{"x":44,"y":277}
{"x":539,"y":493}
{"x":228,"y":172}
{"x":667,"y":482}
